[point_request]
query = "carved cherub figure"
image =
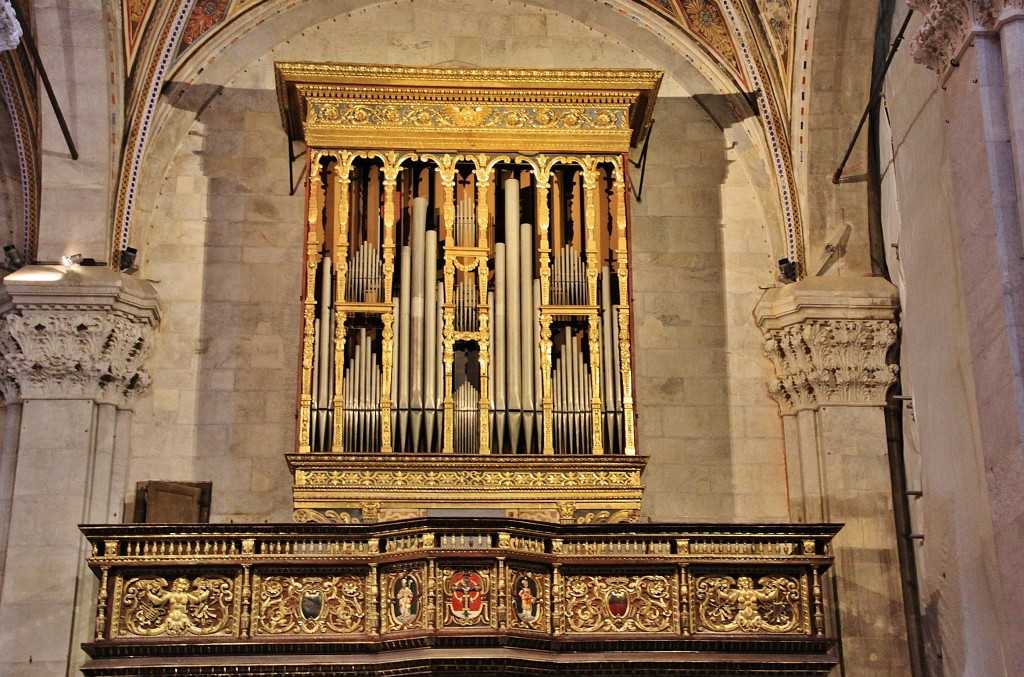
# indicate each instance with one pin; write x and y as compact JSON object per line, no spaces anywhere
{"x":177,"y":600}
{"x":746,"y":598}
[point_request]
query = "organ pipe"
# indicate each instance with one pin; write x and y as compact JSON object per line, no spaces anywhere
{"x":522,"y":334}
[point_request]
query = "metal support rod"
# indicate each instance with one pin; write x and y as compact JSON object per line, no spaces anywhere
{"x":876,"y":93}
{"x":642,"y":164}
{"x":292,"y":157}
{"x":30,"y":45}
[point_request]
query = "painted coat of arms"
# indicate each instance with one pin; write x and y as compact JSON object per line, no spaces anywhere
{"x":467,"y":597}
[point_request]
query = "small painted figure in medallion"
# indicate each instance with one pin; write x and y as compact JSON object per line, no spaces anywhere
{"x":526,"y":602}
{"x":405,"y":599}
{"x":467,"y":597}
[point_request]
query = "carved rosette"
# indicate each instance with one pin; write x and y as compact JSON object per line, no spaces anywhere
{"x":54,"y":354}
{"x":820,"y":362}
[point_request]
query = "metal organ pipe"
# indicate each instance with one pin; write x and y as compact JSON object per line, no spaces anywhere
{"x":404,"y":301}
{"x":430,"y":361}
{"x":416,"y":315}
{"x":514,"y":390}
{"x":526,"y":321}
{"x":325,"y":343}
{"x":513,"y":373}
{"x":498,"y":350}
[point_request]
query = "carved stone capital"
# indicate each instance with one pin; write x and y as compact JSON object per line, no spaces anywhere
{"x":827,"y":340}
{"x":949,"y":25}
{"x":10,"y":28}
{"x":78,"y":333}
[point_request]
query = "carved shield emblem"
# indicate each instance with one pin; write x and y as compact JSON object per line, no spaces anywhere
{"x":618,"y":602}
{"x":311,"y":605}
{"x":467,"y":597}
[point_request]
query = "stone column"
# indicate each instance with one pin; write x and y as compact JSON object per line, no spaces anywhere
{"x":1010,"y":24}
{"x":72,"y":345}
{"x":984,"y":107}
{"x":827,"y":339}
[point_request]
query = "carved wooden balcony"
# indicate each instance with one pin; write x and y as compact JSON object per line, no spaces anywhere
{"x":461,"y":596}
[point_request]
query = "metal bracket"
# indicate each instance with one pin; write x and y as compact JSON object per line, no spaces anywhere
{"x":642,"y":164}
{"x":292,"y":157}
{"x":30,"y":47}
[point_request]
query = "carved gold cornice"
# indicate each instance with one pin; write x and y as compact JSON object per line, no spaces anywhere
{"x":449,"y":109}
{"x":827,"y":340}
{"x":329,"y":488}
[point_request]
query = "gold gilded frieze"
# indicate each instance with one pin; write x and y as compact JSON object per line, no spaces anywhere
{"x":329,"y":488}
{"x":567,"y":110}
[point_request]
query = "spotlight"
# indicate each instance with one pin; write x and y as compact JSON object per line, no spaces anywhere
{"x":128,"y":255}
{"x":71,"y":260}
{"x":13,"y":257}
{"x":787,"y":270}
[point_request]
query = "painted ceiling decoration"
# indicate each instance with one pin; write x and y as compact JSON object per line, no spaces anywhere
{"x":747,"y":41}
{"x":205,"y":15}
{"x":135,"y":15}
{"x":777,"y":18}
{"x":19,"y":92}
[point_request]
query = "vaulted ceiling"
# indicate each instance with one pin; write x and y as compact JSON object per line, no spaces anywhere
{"x":742,"y":50}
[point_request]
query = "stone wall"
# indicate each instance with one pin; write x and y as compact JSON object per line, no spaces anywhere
{"x":943,"y":254}
{"x":224,"y":245}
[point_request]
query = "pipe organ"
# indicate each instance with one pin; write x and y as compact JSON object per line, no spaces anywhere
{"x":466,"y":293}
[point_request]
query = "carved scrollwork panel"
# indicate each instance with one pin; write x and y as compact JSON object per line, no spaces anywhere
{"x":620,"y":603}
{"x":310,"y":605}
{"x":734,"y":605}
{"x":327,"y":516}
{"x":200,"y":606}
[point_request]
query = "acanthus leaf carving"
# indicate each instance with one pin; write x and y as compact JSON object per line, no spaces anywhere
{"x":819,"y":362}
{"x":949,"y":25}
{"x":53,"y":353}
